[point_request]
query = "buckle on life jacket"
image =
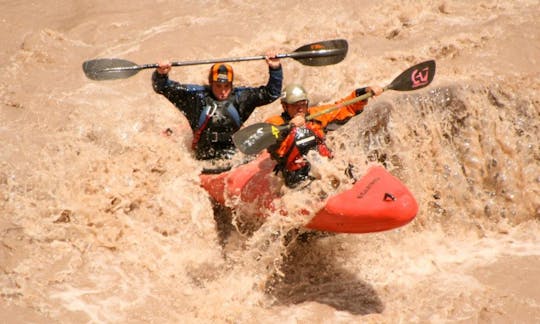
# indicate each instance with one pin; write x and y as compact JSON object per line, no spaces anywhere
{"x":215,"y":137}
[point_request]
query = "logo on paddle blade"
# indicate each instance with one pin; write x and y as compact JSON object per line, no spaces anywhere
{"x":275,"y":131}
{"x":420,"y":78}
{"x":317,"y":46}
{"x":254,"y":137}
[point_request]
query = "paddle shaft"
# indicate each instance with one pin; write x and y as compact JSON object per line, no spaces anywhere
{"x":342,"y":104}
{"x":295,"y":55}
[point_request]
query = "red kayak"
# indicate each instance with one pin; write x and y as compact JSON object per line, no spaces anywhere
{"x":376,"y":202}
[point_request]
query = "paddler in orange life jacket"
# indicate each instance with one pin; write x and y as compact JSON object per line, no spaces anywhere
{"x":304,"y":136}
{"x":217,"y":110}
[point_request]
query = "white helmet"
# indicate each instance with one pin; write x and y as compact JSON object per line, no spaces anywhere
{"x":293,"y":93}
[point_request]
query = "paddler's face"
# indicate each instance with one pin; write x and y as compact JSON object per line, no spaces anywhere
{"x":299,"y":108}
{"x":221,"y":90}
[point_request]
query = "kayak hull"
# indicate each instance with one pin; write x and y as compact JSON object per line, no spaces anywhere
{"x":376,"y":202}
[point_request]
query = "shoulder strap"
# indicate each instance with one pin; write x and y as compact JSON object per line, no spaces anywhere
{"x":233,"y":113}
{"x":208,"y":111}
{"x":206,"y":114}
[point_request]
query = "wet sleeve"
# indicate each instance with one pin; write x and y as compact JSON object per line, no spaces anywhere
{"x":360,"y":91}
{"x":159,"y":82}
{"x":263,"y":95}
{"x":177,"y":93}
{"x":357,"y":107}
{"x":275,"y":120}
{"x":341,"y":114}
{"x":250,"y":98}
{"x":275,"y":82}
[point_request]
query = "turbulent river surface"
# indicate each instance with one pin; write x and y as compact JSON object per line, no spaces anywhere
{"x":103,"y":220}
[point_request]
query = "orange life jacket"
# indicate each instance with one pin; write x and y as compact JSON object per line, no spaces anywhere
{"x":288,"y":153}
{"x":296,"y":144}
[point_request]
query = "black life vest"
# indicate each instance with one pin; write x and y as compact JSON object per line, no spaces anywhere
{"x":217,"y":122}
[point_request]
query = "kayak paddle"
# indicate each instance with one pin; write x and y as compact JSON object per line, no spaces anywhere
{"x":315,"y":54}
{"x":257,"y":137}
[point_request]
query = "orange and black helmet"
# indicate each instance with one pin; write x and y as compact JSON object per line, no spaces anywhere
{"x":221,"y":72}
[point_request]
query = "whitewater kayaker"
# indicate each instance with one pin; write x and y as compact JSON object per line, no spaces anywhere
{"x":217,"y":110}
{"x":295,"y":142}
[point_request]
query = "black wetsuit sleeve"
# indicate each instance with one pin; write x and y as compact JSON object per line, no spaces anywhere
{"x":167,"y":87}
{"x":275,"y":82}
{"x":251,"y":98}
{"x":159,"y":82}
{"x":187,"y":98}
{"x":361,"y":91}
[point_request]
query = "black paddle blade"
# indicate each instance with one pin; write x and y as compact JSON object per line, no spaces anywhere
{"x":321,"y":53}
{"x":255,"y":138}
{"x":109,"y":69}
{"x":415,"y":77}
